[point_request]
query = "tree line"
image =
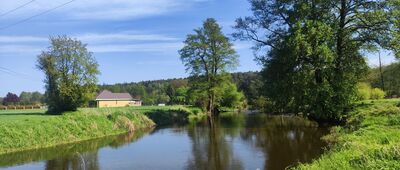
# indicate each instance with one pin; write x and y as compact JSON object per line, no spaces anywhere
{"x":176,"y":91}
{"x":24,"y":98}
{"x":386,"y":79}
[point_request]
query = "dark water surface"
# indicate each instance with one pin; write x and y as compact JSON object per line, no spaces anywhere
{"x":237,"y":142}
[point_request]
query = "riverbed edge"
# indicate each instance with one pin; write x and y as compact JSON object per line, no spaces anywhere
{"x":82,"y":125}
{"x":370,"y":139}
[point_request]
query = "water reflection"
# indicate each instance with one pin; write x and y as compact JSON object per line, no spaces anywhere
{"x":235,"y":142}
{"x":81,"y":155}
{"x":210,"y":150}
{"x":88,"y":161}
{"x":284,"y":140}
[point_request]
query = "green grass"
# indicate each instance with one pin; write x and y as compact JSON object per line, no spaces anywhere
{"x":369,"y":140}
{"x":31,"y":129}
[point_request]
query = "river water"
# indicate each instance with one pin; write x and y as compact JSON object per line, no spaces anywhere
{"x":236,"y":142}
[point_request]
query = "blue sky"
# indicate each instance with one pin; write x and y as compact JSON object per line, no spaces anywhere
{"x":132,"y":40}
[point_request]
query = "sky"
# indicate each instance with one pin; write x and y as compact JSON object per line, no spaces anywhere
{"x":132,"y":40}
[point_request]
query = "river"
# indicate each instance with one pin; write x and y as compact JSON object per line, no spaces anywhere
{"x":248,"y":142}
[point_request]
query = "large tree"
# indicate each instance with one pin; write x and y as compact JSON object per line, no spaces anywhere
{"x":208,"y":55}
{"x":71,"y":74}
{"x":311,"y":50}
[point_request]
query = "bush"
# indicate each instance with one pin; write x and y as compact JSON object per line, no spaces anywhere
{"x":363,"y":91}
{"x":377,"y":94}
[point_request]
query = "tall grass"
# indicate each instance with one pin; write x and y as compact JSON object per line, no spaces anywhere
{"x":31,"y":129}
{"x":23,"y":131}
{"x":370,"y":139}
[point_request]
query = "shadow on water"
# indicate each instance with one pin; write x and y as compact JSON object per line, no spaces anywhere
{"x":82,"y":155}
{"x":285,"y":141}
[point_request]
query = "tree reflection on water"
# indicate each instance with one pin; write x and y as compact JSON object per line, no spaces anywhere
{"x":283,"y":140}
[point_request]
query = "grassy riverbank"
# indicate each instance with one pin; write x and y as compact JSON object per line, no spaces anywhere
{"x":30,"y":129}
{"x":369,"y":140}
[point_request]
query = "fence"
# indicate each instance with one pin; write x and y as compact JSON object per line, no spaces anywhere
{"x":21,"y":107}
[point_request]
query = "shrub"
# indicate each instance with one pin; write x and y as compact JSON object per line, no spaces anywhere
{"x":377,"y":93}
{"x":363,"y":91}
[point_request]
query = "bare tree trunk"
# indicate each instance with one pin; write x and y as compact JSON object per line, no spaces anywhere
{"x":380,"y":70}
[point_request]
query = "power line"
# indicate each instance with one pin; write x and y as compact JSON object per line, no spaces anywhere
{"x":14,"y":73}
{"x":31,"y":17}
{"x":17,"y":8}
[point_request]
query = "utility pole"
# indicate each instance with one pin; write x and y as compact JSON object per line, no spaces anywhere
{"x":380,"y":70}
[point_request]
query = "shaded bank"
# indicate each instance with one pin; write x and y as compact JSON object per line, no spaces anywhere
{"x":178,"y":115}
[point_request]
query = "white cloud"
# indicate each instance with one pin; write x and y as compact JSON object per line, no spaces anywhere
{"x":97,"y":9}
{"x":96,"y":37}
{"x":93,"y":38}
{"x":146,"y":47}
{"x":127,"y":41}
{"x":20,"y":49}
{"x":20,"y":39}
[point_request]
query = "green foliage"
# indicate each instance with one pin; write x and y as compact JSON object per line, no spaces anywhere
{"x":391,"y":79}
{"x":153,"y":92}
{"x":168,"y":117}
{"x":250,"y":83}
{"x":377,"y":93}
{"x":313,"y":60}
{"x":363,"y":91}
{"x":31,"y":98}
{"x":70,"y":74}
{"x":178,"y":90}
{"x":231,"y":97}
{"x":208,"y":55}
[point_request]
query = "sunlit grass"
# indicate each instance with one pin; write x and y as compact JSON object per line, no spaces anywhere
{"x":29,"y":129}
{"x":370,"y":140}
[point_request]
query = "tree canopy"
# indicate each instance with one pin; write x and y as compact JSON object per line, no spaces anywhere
{"x":10,"y":99}
{"x":311,"y":51}
{"x":71,"y":74}
{"x":208,"y":55}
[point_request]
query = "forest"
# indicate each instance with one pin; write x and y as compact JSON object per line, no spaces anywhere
{"x":176,"y":91}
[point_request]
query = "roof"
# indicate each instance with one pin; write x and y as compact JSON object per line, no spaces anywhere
{"x":107,"y":95}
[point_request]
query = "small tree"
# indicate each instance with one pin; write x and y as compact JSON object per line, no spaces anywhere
{"x":208,"y":54}
{"x":10,"y":99}
{"x":70,"y":74}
